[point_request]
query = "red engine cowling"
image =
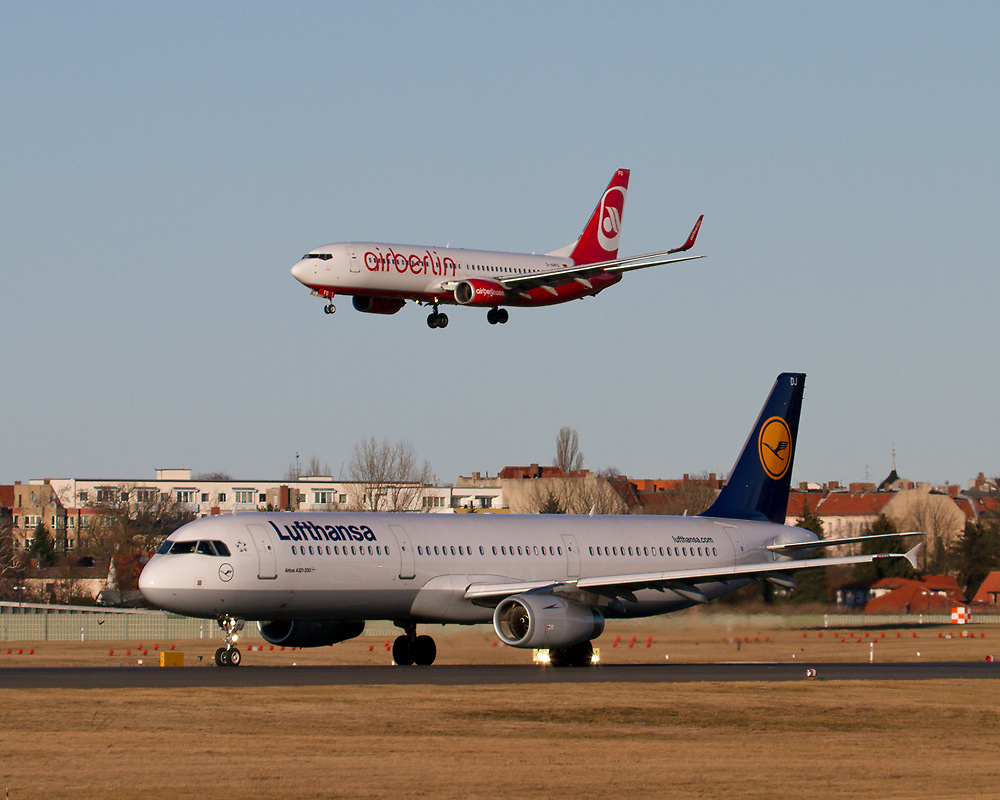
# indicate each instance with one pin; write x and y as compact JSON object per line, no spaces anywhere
{"x":378,"y":305}
{"x":476,"y":292}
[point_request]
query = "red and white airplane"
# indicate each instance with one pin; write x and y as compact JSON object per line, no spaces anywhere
{"x":382,"y":277}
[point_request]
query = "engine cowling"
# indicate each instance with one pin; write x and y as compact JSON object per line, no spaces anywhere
{"x":477,"y":292}
{"x":378,"y":305}
{"x":309,"y":632}
{"x":545,"y":620}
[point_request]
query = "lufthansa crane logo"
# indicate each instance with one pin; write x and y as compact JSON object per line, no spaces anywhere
{"x":226,"y":572}
{"x":774,"y":446}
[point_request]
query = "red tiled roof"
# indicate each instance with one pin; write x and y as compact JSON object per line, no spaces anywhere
{"x":913,"y":596}
{"x":859,"y":504}
{"x":797,"y":501}
{"x":989,"y":590}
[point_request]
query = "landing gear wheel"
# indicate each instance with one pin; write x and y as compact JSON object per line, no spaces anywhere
{"x":424,"y":651}
{"x":491,"y":316}
{"x":437,"y":320}
{"x":502,"y":316}
{"x":235,"y":657}
{"x":402,"y":652}
{"x":222,"y":657}
{"x":329,"y":308}
{"x":577,"y":655}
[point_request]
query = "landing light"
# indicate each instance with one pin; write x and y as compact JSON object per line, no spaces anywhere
{"x":542,"y":656}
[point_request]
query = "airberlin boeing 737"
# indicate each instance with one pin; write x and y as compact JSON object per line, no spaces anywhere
{"x":544,"y":581}
{"x":382,"y":277}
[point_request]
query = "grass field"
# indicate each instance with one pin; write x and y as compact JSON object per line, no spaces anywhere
{"x":782,"y":740}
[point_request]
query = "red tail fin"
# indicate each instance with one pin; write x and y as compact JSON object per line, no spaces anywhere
{"x":599,"y":240}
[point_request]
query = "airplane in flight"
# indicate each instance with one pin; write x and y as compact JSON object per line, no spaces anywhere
{"x":381,"y":277}
{"x":544,"y":581}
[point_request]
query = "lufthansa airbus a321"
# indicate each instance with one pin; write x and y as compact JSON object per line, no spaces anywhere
{"x":544,"y":581}
{"x":382,"y":277}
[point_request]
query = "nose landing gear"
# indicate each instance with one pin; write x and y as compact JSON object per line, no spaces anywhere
{"x":229,"y":656}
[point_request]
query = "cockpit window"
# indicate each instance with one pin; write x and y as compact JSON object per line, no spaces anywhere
{"x":221,"y":549}
{"x":206,"y":549}
{"x":322,"y":256}
{"x":182,"y":547}
{"x":164,"y":547}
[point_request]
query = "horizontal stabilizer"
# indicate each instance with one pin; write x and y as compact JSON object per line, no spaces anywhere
{"x":836,"y":542}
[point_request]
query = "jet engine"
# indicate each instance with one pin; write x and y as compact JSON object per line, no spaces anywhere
{"x":477,"y":292}
{"x":308,"y":632}
{"x":378,"y":305}
{"x":546,"y":621}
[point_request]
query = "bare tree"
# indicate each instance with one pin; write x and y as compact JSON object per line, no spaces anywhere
{"x":386,"y":476}
{"x":568,"y":455}
{"x":577,"y":495}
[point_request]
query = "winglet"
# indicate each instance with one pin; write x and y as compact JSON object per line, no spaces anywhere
{"x":911,"y":555}
{"x":690,"y":241}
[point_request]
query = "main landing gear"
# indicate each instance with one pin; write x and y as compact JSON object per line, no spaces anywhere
{"x":497,"y":315}
{"x":329,"y":308}
{"x":412,"y":649}
{"x":437,"y":320}
{"x":229,"y":656}
{"x":577,"y":655}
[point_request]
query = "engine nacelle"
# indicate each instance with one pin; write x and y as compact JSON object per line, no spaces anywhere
{"x":477,"y":292}
{"x":309,"y":632}
{"x":378,"y":305}
{"x":545,"y":620}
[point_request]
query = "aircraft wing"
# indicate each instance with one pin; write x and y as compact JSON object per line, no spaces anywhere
{"x":785,"y":547}
{"x":682,"y":581}
{"x":583,"y":273}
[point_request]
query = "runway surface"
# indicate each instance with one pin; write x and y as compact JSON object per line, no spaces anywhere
{"x":451,"y":675}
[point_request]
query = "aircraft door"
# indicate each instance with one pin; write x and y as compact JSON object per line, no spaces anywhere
{"x":352,"y":259}
{"x":267,"y":569}
{"x":406,"y":570}
{"x":736,"y":540}
{"x":572,"y":556}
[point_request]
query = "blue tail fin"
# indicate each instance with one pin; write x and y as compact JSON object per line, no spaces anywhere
{"x":758,"y":485}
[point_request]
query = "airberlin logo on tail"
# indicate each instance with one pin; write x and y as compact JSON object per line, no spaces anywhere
{"x":774,"y":445}
{"x":609,"y":230}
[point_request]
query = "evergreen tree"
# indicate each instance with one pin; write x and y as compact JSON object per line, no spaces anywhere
{"x":976,"y":553}
{"x":43,"y":547}
{"x":811,"y":585}
{"x":552,"y":505}
{"x":882,"y":567}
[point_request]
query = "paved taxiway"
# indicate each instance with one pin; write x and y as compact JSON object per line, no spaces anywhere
{"x":452,"y":675}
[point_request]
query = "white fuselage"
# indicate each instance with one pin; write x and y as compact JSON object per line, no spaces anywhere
{"x":354,"y":566}
{"x":428,"y":274}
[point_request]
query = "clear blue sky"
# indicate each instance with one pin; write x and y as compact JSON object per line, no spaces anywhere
{"x":163,"y":166}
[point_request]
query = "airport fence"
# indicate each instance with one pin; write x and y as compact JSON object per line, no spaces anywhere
{"x":33,"y":622}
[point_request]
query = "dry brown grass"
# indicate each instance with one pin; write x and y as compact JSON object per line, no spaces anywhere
{"x":909,"y":739}
{"x":722,"y":740}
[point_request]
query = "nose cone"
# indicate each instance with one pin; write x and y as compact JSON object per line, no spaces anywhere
{"x":154,"y":583}
{"x":301,"y":271}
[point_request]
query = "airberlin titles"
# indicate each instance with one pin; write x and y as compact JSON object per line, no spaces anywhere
{"x":302,"y":531}
{"x":426,"y":263}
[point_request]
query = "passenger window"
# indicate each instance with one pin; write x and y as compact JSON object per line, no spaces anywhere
{"x":494,"y":549}
{"x":435,"y":550}
{"x":614,"y":550}
{"x":661,"y":550}
{"x":519,"y":549}
{"x":293,"y":549}
{"x":713,"y":552}
{"x":536,"y":549}
{"x":420,"y":550}
{"x":503,"y":549}
{"x":630,"y":551}
{"x":685,"y":551}
{"x":592,"y":551}
{"x":645,"y":551}
{"x":353,"y":553}
{"x":328,"y":549}
{"x":481,"y":551}
{"x":387,"y":551}
{"x":699,"y":551}
{"x":560,"y":550}
{"x":453,"y":551}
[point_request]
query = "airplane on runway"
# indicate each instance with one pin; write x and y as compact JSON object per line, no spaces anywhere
{"x":544,"y":581}
{"x":381,"y":277}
